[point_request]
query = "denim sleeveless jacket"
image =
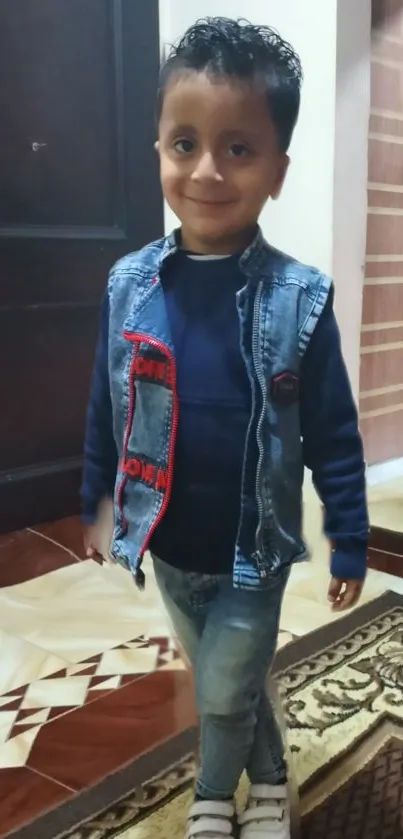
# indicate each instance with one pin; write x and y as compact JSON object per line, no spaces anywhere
{"x":278,"y":308}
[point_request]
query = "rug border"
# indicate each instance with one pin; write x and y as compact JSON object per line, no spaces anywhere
{"x":86,"y":805}
{"x":326,"y":636}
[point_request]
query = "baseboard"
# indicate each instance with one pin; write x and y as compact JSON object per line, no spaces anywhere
{"x":43,"y":492}
{"x":386,"y":551}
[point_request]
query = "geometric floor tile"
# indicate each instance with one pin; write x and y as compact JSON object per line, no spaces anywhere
{"x":175,"y":664}
{"x":80,"y":690}
{"x":11,"y":695}
{"x":76,"y":669}
{"x":6,"y":700}
{"x":167,"y":658}
{"x":124,"y":661}
{"x":63,"y":613}
{"x":7,"y":720}
{"x":29,"y":718}
{"x":48,"y":699}
{"x":13,"y":705}
{"x":16,"y":751}
{"x":106,"y":684}
{"x":90,"y":742}
{"x":22,"y":662}
{"x":74,"y":686}
{"x":73,"y":703}
{"x":56,"y":692}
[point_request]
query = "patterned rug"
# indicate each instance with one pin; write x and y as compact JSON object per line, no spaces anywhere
{"x":342,"y":695}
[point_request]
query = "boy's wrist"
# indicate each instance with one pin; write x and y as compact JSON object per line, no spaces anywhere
{"x":89,"y":511}
{"x":349,"y":563}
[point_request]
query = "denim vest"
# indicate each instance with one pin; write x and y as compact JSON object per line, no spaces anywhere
{"x":278,"y":311}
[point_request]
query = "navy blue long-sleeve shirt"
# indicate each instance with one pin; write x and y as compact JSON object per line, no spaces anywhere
{"x":199,"y":529}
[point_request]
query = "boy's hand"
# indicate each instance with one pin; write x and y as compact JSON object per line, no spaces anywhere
{"x":344,"y":594}
{"x":90,"y":543}
{"x":98,"y":536}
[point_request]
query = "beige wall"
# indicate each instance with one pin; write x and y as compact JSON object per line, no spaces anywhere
{"x":321,"y":216}
{"x":301,"y":221}
{"x":350,"y":172}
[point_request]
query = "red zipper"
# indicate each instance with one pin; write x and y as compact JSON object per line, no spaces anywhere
{"x":137,"y":338}
{"x":130,"y":416}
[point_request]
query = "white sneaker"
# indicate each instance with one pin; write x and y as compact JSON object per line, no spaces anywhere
{"x":211,"y":820}
{"x":267,"y":815}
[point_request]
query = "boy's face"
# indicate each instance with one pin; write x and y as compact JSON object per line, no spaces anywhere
{"x":219,"y":160}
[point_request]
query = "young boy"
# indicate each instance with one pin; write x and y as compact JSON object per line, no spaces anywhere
{"x":218,"y":376}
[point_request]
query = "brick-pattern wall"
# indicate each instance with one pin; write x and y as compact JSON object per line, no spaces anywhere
{"x":381,"y":377}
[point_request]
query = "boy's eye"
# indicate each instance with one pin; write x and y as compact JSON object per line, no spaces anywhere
{"x":238,"y":150}
{"x":184,"y":146}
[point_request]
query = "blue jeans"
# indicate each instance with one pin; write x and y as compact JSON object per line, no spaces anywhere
{"x":230,"y":638}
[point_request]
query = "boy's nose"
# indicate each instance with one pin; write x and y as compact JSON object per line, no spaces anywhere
{"x":206,"y":169}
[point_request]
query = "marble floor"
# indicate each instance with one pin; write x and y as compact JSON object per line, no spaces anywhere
{"x":386,"y":504}
{"x":89,"y":675}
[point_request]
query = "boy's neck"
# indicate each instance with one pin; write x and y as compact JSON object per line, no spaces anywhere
{"x":225,"y":246}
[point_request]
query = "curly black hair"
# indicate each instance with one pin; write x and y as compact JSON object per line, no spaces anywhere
{"x":238,"y":49}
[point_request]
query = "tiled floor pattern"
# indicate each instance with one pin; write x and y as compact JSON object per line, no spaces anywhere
{"x":386,"y":505}
{"x":89,"y":677}
{"x":43,"y":700}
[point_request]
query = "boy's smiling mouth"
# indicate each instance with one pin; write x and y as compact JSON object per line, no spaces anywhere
{"x":209,"y":202}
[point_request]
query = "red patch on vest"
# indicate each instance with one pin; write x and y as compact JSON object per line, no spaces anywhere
{"x":152,"y":370}
{"x":146,"y":473}
{"x":285,"y":388}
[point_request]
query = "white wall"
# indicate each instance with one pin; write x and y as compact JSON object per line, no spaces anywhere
{"x":301,"y":221}
{"x":321,"y":215}
{"x":353,"y":96}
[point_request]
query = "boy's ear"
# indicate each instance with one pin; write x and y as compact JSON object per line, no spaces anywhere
{"x":281,"y":176}
{"x":157,"y":146}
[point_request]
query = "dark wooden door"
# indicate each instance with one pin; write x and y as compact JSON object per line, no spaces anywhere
{"x":78,"y":188}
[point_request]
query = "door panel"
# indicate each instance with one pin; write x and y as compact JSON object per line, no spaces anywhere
{"x":78,"y":188}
